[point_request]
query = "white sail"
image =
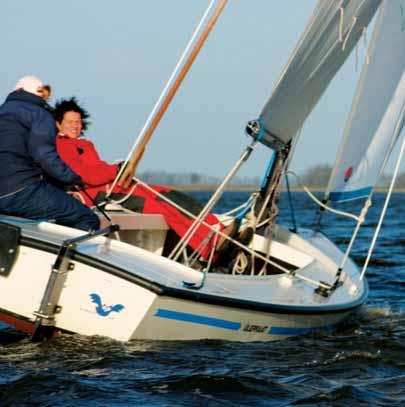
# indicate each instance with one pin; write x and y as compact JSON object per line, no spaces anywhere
{"x":332,"y":32}
{"x":375,"y":120}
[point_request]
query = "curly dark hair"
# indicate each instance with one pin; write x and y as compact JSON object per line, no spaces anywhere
{"x":63,"y":106}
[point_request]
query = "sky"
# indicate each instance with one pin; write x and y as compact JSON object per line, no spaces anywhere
{"x":117,"y":56}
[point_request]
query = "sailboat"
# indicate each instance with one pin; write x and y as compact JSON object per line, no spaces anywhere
{"x":116,"y":283}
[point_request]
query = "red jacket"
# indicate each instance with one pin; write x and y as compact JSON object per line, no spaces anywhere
{"x":81,"y":156}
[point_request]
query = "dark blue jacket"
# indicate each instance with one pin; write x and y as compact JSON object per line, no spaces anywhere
{"x":27,"y":144}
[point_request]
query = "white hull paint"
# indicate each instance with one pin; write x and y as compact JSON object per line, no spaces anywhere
{"x":168,"y":320}
{"x":119,"y":291}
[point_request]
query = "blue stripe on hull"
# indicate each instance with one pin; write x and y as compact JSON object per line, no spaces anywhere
{"x":231,"y":325}
{"x":198,"y":319}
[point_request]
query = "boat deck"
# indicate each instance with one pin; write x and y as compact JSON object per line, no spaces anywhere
{"x":278,"y":290}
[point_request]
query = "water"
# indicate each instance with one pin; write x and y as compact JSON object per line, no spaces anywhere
{"x":360,"y":364}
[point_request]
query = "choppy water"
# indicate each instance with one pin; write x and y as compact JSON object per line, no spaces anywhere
{"x":360,"y":364}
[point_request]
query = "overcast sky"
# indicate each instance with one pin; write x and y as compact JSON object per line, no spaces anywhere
{"x":116,"y":57}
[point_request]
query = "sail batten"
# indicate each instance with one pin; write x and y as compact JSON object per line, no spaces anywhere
{"x":332,"y":32}
{"x":376,"y":117}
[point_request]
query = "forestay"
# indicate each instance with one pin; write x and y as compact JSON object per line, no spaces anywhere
{"x":332,"y":32}
{"x":376,"y":118}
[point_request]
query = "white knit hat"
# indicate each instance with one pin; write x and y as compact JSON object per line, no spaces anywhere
{"x":30,"y":84}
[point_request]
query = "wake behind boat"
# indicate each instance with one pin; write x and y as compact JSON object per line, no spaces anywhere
{"x":271,"y":282}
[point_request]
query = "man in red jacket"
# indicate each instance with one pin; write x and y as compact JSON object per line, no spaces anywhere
{"x":81,"y":156}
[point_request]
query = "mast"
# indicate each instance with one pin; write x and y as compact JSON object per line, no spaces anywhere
{"x":125,"y":175}
{"x":269,"y":188}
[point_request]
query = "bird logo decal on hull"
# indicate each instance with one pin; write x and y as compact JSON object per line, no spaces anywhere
{"x":103,"y":309}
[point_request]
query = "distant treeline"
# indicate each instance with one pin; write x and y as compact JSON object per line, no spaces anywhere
{"x":318,"y":177}
{"x":314,"y":177}
{"x":193,"y":178}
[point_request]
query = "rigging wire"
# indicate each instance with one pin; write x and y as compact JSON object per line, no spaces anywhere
{"x":270,"y":203}
{"x":367,"y":204}
{"x":210,"y":204}
{"x":171,"y":87}
{"x":362,"y":217}
{"x":257,"y":255}
{"x":388,"y":198}
{"x":235,"y":242}
{"x":343,"y":39}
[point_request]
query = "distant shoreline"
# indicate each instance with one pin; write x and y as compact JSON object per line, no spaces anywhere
{"x":252,"y":188}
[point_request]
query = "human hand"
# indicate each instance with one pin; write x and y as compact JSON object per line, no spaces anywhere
{"x":127,"y":175}
{"x":76,"y":195}
{"x":78,"y":186}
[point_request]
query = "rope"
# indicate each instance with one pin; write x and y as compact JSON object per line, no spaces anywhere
{"x":256,"y":226}
{"x":362,"y":217}
{"x":212,"y":253}
{"x":210,"y":204}
{"x":162,"y":95}
{"x":235,"y":242}
{"x":241,"y":262}
{"x":316,"y":200}
{"x":268,"y":220}
{"x":348,"y":34}
{"x":194,"y":255}
{"x":342,"y":13}
{"x":274,"y":210}
{"x":244,"y":205}
{"x":121,"y":200}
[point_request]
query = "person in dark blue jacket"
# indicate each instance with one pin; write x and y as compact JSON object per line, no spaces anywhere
{"x":28,"y":160}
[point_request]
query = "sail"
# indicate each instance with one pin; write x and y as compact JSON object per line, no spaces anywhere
{"x":332,"y":32}
{"x":375,"y":120}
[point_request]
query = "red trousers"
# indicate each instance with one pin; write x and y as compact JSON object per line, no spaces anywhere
{"x":175,"y":219}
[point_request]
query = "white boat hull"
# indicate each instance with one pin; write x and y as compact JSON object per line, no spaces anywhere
{"x":142,"y":296}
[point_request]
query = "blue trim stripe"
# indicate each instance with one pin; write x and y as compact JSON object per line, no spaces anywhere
{"x":197,"y":319}
{"x":23,"y":221}
{"x":350,"y":195}
{"x":268,"y":170}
